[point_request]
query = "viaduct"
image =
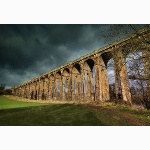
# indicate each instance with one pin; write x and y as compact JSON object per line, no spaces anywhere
{"x":86,"y":78}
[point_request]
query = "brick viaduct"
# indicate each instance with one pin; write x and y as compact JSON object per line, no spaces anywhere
{"x":86,"y":78}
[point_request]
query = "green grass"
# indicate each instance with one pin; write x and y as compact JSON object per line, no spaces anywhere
{"x":14,"y":113}
{"x":6,"y":103}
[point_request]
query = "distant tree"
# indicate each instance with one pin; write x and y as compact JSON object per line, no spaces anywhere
{"x":4,"y":91}
{"x":7,"y":92}
{"x":2,"y":87}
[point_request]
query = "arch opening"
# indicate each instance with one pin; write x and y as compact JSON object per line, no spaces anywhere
{"x":76,"y":69}
{"x":89,"y":79}
{"x":111,"y":78}
{"x":76,"y":81}
{"x":109,"y":75}
{"x":66,"y":76}
{"x":58,"y":81}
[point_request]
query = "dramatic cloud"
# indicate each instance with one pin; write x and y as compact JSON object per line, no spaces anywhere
{"x":27,"y":51}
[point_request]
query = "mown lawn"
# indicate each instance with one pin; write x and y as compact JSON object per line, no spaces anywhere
{"x":14,"y":113}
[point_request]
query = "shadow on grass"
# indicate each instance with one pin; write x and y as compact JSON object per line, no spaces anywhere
{"x":49,"y":115}
{"x":13,"y":113}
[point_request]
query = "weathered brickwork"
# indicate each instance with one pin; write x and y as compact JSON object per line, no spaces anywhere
{"x":85,"y":79}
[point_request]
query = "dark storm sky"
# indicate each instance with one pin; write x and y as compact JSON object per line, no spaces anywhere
{"x":27,"y":51}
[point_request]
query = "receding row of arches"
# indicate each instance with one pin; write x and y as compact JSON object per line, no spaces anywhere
{"x":94,"y":79}
{"x":75,"y":82}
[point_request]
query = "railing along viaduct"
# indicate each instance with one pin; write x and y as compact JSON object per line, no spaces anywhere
{"x":86,"y":78}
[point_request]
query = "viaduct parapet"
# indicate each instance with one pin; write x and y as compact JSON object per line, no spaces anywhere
{"x":86,"y":78}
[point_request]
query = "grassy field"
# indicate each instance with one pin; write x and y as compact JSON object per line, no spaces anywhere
{"x":15,"y":113}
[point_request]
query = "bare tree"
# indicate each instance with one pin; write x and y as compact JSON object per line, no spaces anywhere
{"x":137,"y":58}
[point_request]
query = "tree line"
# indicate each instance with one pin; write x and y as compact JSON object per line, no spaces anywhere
{"x":4,"y":91}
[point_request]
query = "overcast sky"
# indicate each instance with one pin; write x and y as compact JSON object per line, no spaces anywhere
{"x":27,"y":51}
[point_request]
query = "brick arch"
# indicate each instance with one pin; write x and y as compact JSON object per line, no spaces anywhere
{"x":52,"y":77}
{"x":76,"y":81}
{"x":58,"y":74}
{"x":46,"y":85}
{"x":89,"y":64}
{"x":66,"y":83}
{"x":108,"y":60}
{"x":106,"y":57}
{"x":89,"y":79}
{"x":66,"y":72}
{"x":76,"y":68}
{"x":58,"y":85}
{"x":51,"y":86}
{"x":110,"y":77}
{"x":65,"y":75}
{"x":58,"y":80}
